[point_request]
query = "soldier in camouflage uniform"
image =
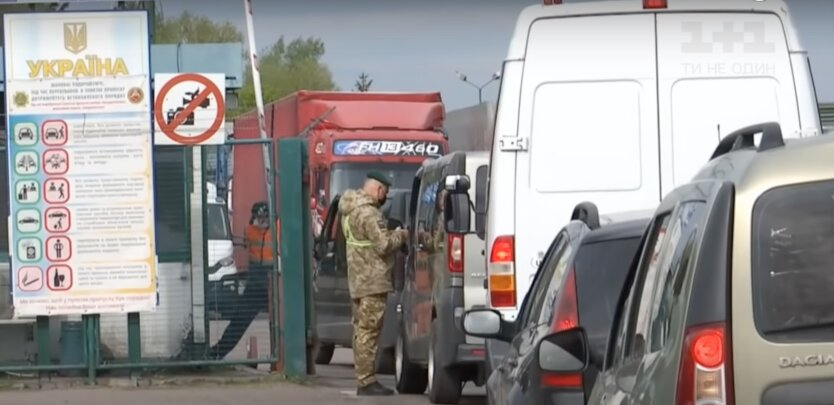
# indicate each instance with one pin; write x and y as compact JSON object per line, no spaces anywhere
{"x":370,"y":261}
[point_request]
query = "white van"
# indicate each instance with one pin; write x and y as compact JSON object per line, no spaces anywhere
{"x":618,"y":102}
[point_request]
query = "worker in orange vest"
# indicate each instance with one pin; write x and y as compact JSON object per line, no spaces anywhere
{"x":255,"y":295}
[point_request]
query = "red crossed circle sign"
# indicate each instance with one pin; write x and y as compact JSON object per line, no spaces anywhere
{"x":170,"y":129}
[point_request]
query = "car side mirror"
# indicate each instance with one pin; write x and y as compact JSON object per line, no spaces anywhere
{"x":563,"y":352}
{"x":488,"y":324}
{"x":457,"y":213}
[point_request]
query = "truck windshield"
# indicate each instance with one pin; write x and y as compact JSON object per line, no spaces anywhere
{"x":217,"y":221}
{"x":346,"y":176}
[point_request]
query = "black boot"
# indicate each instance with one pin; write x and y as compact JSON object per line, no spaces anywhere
{"x":374,"y":390}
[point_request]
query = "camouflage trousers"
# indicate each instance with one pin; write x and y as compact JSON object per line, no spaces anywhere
{"x":367,"y":324}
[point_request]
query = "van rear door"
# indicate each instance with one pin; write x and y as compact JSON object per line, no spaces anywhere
{"x":719,"y":72}
{"x":589,"y":102}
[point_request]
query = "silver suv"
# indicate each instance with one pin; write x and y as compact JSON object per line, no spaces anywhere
{"x":732,"y":299}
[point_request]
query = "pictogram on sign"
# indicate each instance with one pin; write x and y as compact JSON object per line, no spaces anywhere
{"x":190,"y":109}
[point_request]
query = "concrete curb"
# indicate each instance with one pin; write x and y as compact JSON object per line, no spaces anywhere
{"x":240,"y":377}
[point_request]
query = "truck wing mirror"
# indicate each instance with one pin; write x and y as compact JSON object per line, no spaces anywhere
{"x":456,"y":204}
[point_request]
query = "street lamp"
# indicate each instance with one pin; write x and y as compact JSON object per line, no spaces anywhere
{"x":463,"y":78}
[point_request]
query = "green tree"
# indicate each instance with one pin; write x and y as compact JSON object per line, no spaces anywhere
{"x":191,"y":29}
{"x":363,"y":84}
{"x":286,"y":68}
{"x":184,"y":28}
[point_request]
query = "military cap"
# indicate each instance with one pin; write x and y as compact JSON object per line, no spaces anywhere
{"x":380,"y":178}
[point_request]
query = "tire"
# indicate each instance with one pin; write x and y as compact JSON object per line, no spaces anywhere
{"x":384,"y":363}
{"x":410,"y":378}
{"x":324,"y":353}
{"x":445,"y":385}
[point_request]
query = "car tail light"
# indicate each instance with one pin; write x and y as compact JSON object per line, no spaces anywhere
{"x":565,"y":317}
{"x":501,"y":270}
{"x":705,"y":371}
{"x":454,"y":253}
{"x":561,"y":381}
{"x":650,"y":4}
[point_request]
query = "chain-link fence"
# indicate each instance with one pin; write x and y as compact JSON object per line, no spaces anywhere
{"x":216,"y":304}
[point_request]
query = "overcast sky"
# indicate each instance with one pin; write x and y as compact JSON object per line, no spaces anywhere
{"x":410,"y":45}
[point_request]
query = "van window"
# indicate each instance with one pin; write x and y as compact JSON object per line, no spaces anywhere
{"x":698,"y":126}
{"x":792,"y":252}
{"x":727,"y":69}
{"x":571,"y":137}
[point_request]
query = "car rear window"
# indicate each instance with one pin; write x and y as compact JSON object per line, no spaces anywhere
{"x":601,"y":269}
{"x":793,"y":263}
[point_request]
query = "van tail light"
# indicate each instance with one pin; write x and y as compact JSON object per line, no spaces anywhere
{"x":454,"y":252}
{"x":705,"y":375}
{"x":565,"y":317}
{"x":501,"y":270}
{"x":652,"y":4}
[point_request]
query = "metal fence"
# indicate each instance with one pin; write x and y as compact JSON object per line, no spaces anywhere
{"x":215,"y":307}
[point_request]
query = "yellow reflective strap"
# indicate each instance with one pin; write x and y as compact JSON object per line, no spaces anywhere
{"x":349,"y":238}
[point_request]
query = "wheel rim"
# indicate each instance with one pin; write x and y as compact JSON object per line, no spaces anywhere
{"x":398,"y":362}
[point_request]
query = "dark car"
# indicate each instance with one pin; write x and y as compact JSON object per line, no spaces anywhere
{"x":577,"y":283}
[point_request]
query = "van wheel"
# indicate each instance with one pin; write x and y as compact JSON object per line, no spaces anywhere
{"x":324,"y":353}
{"x":410,"y":377}
{"x":445,"y":385}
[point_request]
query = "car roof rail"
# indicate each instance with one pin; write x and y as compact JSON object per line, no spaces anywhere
{"x":586,"y":212}
{"x":744,"y":139}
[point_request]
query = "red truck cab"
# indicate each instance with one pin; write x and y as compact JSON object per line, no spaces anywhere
{"x":363,"y":132}
{"x":349,"y":134}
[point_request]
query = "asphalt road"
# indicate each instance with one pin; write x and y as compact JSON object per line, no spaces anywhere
{"x":334,"y":384}
{"x":339,"y":375}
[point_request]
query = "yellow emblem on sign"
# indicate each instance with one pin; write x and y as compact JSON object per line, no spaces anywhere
{"x":75,"y":37}
{"x":21,"y":99}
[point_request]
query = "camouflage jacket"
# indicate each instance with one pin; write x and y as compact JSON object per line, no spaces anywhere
{"x":370,"y":245}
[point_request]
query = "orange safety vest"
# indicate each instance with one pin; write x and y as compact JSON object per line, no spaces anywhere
{"x":259,"y":243}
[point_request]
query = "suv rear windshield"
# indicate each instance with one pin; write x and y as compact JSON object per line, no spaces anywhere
{"x":601,"y":269}
{"x":792,"y":257}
